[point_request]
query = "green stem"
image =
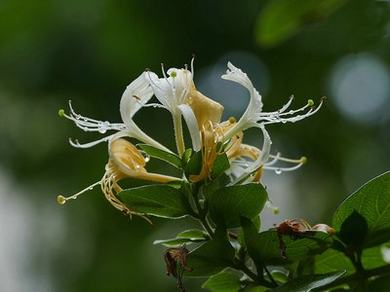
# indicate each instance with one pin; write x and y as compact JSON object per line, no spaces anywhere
{"x":381,"y":271}
{"x":200,"y":213}
{"x":242,"y":267}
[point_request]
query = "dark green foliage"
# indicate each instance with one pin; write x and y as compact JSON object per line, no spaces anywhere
{"x":308,"y":283}
{"x":372,"y":201}
{"x":184,"y":237}
{"x":307,"y":258}
{"x":194,"y":164}
{"x":212,"y":256}
{"x":221,"y":164}
{"x":353,"y":230}
{"x":225,"y":281}
{"x":171,"y":158}
{"x":156,"y":200}
{"x":229,"y":203}
{"x":295,"y":14}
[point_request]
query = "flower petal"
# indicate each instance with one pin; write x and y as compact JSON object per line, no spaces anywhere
{"x":236,"y":75}
{"x":136,"y":95}
{"x":192,"y":125}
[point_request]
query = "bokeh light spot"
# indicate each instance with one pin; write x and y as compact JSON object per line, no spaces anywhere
{"x":361,"y":87}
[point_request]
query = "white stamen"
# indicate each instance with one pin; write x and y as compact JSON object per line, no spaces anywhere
{"x":77,"y":144}
{"x":62,"y":200}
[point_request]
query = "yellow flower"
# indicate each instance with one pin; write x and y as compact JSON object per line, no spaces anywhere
{"x":125,"y":161}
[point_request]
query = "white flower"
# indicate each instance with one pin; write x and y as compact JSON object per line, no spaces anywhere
{"x":136,"y":95}
{"x":254,"y":116}
{"x":172,"y":92}
{"x":241,"y":169}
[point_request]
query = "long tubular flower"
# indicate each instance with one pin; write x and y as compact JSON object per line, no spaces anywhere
{"x":125,"y":161}
{"x":136,"y":95}
{"x":176,"y":92}
{"x":254,"y":115}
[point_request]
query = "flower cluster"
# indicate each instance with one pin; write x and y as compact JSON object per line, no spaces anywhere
{"x":210,"y":136}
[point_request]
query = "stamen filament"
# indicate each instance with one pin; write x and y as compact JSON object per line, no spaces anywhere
{"x":62,"y":200}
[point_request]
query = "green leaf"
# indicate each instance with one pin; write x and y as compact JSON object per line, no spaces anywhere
{"x":281,"y":19}
{"x":332,"y":260}
{"x":254,"y":288}
{"x":227,"y":204}
{"x":225,"y":281}
{"x":186,"y":156}
{"x":185,"y":237}
{"x":372,"y":201}
{"x":354,"y":230}
{"x":157,"y":200}
{"x":221,"y":164}
{"x":251,"y":236}
{"x":194,"y":165}
{"x":212,"y":256}
{"x":215,"y":184}
{"x":161,"y":154}
{"x":193,"y":234}
{"x":308,"y":283}
{"x":264,"y":247}
{"x":175,"y":242}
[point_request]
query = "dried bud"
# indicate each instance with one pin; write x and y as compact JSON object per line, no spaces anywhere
{"x":298,"y":228}
{"x":176,"y":264}
{"x":324,"y":228}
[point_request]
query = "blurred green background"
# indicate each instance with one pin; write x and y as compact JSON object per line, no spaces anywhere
{"x":88,"y":51}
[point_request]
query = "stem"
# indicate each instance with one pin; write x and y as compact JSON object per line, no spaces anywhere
{"x":242,"y":267}
{"x":178,"y":127}
{"x":381,"y":271}
{"x":202,"y":213}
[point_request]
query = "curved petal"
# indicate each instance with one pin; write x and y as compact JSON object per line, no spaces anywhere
{"x":136,"y":95}
{"x":265,"y":152}
{"x":236,"y":75}
{"x":192,"y":125}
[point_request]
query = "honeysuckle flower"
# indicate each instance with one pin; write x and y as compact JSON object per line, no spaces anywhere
{"x":177,"y":93}
{"x":254,"y":115}
{"x":136,"y":95}
{"x":172,"y":92}
{"x":125,"y":161}
{"x":208,"y":115}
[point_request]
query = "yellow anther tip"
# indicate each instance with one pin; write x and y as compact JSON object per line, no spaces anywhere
{"x":61,"y":200}
{"x":173,"y":74}
{"x":276,"y":210}
{"x":303,"y":159}
{"x":61,"y":113}
{"x":310,"y":102}
{"x":232,"y":120}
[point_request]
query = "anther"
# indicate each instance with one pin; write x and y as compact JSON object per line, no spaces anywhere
{"x":61,"y":113}
{"x":303,"y":159}
{"x":61,"y":200}
{"x":310,"y":102}
{"x":232,"y":120}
